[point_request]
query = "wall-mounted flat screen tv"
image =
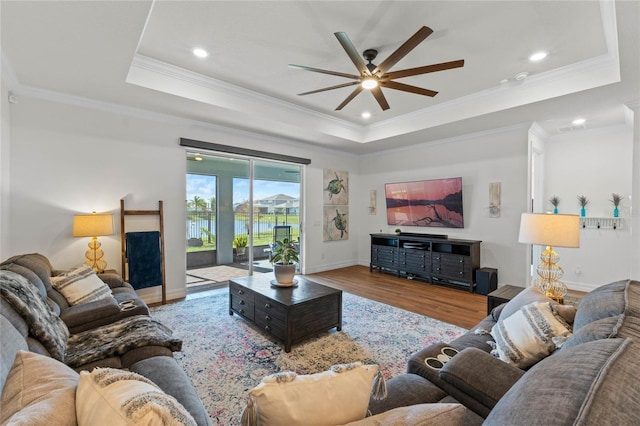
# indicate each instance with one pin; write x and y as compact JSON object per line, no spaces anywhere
{"x":433,"y":203}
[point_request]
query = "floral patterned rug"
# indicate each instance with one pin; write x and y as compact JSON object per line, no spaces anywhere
{"x":226,"y":356}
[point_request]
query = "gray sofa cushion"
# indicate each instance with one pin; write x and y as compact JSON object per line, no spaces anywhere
{"x":601,"y":329}
{"x":404,"y":390}
{"x":478,"y":388}
{"x":565,"y":387}
{"x":605,"y":301}
{"x":165,"y":372}
{"x":12,"y":342}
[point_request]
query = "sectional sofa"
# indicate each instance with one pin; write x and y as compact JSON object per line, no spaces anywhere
{"x":63,"y":363}
{"x":590,"y":376}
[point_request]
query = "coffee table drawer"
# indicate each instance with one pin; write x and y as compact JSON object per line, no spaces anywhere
{"x":267,"y":322}
{"x":270,"y":307}
{"x":242,"y":306}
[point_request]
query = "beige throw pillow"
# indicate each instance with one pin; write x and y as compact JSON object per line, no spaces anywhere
{"x":338,"y":396}
{"x":108,"y":396}
{"x":419,"y":415}
{"x":81,"y":285}
{"x":39,"y":391}
{"x":529,"y":335}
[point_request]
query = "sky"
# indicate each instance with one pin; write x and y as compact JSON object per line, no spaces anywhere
{"x":205,"y":188}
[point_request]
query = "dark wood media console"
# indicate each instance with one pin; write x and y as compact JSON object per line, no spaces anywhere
{"x":436,"y":260}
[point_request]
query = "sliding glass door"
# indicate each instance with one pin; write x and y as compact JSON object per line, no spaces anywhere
{"x":236,"y":209}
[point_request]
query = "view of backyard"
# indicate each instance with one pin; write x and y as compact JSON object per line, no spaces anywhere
{"x":269,"y":211}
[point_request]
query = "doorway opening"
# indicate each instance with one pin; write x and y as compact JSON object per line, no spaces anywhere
{"x":235,"y":207}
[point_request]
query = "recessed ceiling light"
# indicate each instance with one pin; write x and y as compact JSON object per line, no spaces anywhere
{"x":578,"y":121}
{"x":200,"y":53}
{"x":521,"y":75}
{"x":538,"y":56}
{"x":366,"y":114}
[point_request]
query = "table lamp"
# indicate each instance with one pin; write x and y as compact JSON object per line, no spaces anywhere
{"x":551,"y":230}
{"x":93,"y":225}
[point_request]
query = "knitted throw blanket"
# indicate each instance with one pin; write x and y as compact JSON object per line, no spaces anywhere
{"x":44,"y":325}
{"x":118,"y":338}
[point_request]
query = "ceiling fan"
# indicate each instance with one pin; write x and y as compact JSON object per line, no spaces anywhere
{"x":373,"y":77}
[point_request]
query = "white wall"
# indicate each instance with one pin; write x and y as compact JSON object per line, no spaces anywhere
{"x":5,"y":135}
{"x":68,"y":159}
{"x":594,"y":163}
{"x":78,"y":156}
{"x":497,"y":156}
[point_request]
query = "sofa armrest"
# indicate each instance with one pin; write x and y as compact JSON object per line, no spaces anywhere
{"x":114,"y":280}
{"x":478,"y":379}
{"x":77,"y":315}
{"x":171,"y":378}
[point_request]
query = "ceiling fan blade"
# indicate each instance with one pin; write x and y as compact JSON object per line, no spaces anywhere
{"x":423,"y":70}
{"x":382,"y":101}
{"x":408,"y":88}
{"x":338,"y":74}
{"x":355,"y":57}
{"x":330,"y":88}
{"x":349,"y":98}
{"x":401,"y":51}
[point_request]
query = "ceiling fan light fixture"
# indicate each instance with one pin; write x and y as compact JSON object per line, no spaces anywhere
{"x":369,"y":83}
{"x":366,"y":114}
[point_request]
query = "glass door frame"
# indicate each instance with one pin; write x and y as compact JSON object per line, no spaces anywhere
{"x":251,"y":216}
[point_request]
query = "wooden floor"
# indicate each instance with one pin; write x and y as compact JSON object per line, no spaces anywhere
{"x":452,"y":305}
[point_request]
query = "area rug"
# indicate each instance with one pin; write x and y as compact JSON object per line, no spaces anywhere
{"x":225,"y":356}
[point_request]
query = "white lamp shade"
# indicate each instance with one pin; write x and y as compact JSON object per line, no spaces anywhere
{"x":555,"y":230}
{"x":92,"y":225}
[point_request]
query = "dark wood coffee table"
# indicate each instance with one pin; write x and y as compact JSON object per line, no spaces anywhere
{"x":289,"y":314}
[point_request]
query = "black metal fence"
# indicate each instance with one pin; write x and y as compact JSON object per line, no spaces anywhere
{"x":201,"y":224}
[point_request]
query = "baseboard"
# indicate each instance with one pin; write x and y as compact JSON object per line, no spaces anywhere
{"x":323,"y":268}
{"x":153,"y":295}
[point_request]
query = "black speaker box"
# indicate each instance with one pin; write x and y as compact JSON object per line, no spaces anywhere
{"x":486,"y":280}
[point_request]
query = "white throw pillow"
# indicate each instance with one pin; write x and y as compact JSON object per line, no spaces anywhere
{"x":338,"y":396}
{"x":529,"y":335}
{"x":108,"y":396}
{"x":81,"y":285}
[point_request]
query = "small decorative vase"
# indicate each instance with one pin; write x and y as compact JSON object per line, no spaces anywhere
{"x":616,"y":213}
{"x":555,"y":210}
{"x":583,"y":212}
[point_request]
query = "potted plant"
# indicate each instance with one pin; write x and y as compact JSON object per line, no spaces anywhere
{"x":285,"y":255}
{"x":398,"y":231}
{"x":616,"y":199}
{"x":583,"y":201}
{"x":240,"y":242}
{"x":555,"y":201}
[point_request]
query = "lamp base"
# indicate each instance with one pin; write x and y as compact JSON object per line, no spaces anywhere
{"x":549,"y":273}
{"x":94,"y":256}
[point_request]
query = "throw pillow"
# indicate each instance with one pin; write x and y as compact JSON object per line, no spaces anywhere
{"x":39,"y":391}
{"x":80,"y":286}
{"x":340,"y":395}
{"x":529,"y":335}
{"x":419,"y":415}
{"x":125,"y":398}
